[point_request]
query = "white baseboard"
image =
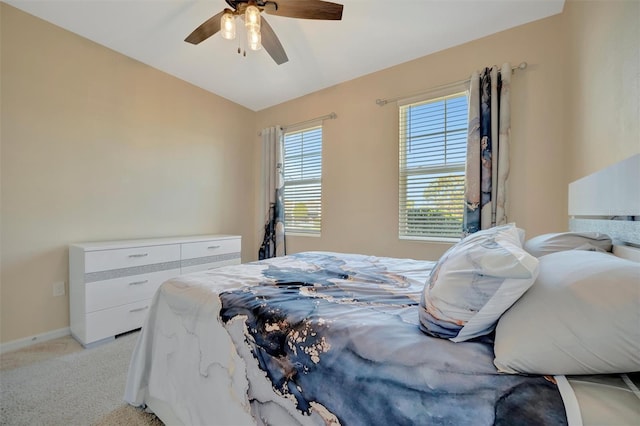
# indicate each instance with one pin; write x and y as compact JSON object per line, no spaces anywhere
{"x":32,"y":340}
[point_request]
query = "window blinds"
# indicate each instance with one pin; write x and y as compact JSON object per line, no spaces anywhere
{"x":433,"y":141}
{"x":303,"y":180}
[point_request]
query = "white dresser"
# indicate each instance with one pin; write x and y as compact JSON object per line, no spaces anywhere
{"x":111,"y":283}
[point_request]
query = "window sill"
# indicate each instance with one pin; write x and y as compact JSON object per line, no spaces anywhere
{"x":442,"y":240}
{"x":300,"y":234}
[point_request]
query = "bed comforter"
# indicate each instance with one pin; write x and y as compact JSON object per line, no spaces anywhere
{"x":319,"y":338}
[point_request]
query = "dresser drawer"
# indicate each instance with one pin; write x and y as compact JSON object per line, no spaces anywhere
{"x":207,"y":266}
{"x":120,"y":291}
{"x":109,"y":322}
{"x":105,"y":260}
{"x":210,"y":248}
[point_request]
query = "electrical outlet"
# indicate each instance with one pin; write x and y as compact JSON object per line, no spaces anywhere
{"x":58,"y":288}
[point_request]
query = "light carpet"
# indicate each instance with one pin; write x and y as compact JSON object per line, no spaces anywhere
{"x":60,"y":383}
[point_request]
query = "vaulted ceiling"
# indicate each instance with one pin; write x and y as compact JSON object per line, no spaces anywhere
{"x":372,"y":35}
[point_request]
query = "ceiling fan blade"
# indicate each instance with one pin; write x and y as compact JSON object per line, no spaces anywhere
{"x":206,"y":30}
{"x":271,"y":43}
{"x":305,"y":9}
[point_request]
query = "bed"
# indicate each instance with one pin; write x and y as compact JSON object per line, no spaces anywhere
{"x":500,"y":330}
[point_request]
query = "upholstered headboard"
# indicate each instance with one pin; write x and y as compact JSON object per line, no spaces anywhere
{"x":608,"y":201}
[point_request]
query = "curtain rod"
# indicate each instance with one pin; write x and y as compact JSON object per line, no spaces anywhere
{"x":330,"y":116}
{"x":383,"y":102}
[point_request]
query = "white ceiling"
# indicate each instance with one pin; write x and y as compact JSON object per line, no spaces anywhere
{"x":373,"y":35}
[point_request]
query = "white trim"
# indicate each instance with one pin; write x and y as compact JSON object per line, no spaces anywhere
{"x":302,"y":234}
{"x":571,"y":405}
{"x":443,"y":240}
{"x":14,"y":345}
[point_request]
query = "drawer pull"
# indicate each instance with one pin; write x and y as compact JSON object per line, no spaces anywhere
{"x":139,"y":255}
{"x":139,"y":282}
{"x":213,"y":247}
{"x":139,"y":309}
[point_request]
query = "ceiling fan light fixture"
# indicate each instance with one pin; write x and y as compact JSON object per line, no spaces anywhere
{"x":254,"y":39}
{"x":228,"y":25}
{"x":250,"y":12}
{"x":252,"y":17}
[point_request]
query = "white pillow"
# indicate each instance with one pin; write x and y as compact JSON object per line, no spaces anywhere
{"x":582,"y":316}
{"x":561,"y":241}
{"x":474,"y":282}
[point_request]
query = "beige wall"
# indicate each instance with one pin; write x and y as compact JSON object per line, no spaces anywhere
{"x":603,"y":83}
{"x":97,"y":146}
{"x":360,"y":151}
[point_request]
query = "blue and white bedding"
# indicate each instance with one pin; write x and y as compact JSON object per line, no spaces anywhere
{"x":319,"y":338}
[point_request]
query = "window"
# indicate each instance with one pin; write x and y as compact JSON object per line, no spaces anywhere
{"x":303,"y":180}
{"x":433,"y":148}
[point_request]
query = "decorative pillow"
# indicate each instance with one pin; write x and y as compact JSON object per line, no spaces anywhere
{"x":581,"y":316}
{"x":561,"y":241}
{"x":474,"y":282}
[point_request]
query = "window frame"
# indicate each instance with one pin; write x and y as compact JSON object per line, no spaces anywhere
{"x":301,"y":129}
{"x":451,"y":92}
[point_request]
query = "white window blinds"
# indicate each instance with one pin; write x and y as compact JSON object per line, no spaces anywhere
{"x":433,"y":144}
{"x":303,"y":180}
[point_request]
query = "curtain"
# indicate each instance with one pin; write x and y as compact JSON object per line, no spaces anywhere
{"x":487,"y":149}
{"x":273,"y":241}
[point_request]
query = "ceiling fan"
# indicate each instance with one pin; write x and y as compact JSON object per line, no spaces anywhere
{"x":259,"y":32}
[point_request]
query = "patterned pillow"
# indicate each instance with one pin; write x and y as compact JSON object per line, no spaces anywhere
{"x":474,"y":282}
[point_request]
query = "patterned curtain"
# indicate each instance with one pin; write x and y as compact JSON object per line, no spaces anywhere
{"x":487,"y":149}
{"x":273,"y":242}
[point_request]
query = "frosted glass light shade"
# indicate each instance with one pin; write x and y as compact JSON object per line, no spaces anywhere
{"x":228,"y":26}
{"x":254,"y":39}
{"x":252,"y":17}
